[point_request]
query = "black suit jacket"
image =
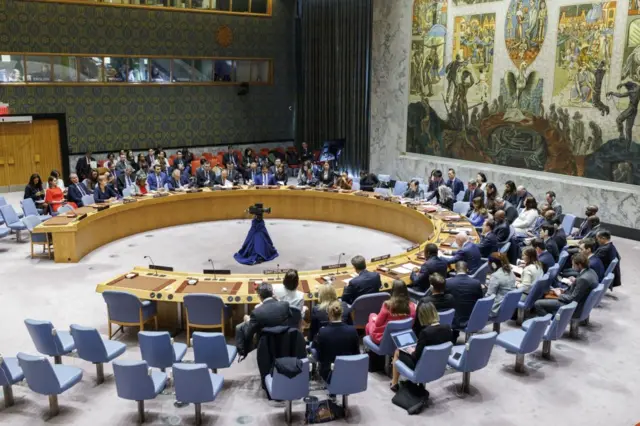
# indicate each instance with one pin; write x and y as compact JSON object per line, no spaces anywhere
{"x":547,"y":260}
{"x":271,"y":313}
{"x":510,"y":212}
{"x":502,"y":232}
{"x":465,"y":291}
{"x":83,"y":167}
{"x":431,"y":266}
{"x":122,"y":181}
{"x":607,"y":253}
{"x":74,"y":194}
{"x":489,"y":244}
{"x":227,"y":158}
{"x":552,"y":248}
{"x":367,"y":282}
{"x":560,"y":237}
{"x":468,"y":196}
{"x":335,"y":339}
{"x":201,"y":178}
{"x":579,"y":291}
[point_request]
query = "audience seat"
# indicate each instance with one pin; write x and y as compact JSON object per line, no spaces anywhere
{"x":365,"y":305}
{"x":505,"y":247}
{"x":583,"y":314}
{"x":431,"y":365}
{"x":282,"y":388}
{"x":460,"y":196}
{"x":384,"y":179}
{"x":48,"y":340}
{"x":567,"y":223}
{"x":47,"y":379}
{"x":212,"y":349}
{"x":159,"y":350}
{"x":562,"y":261}
{"x":136,"y":382}
{"x":93,"y":348}
{"x":537,"y":290}
{"x":446,"y":317}
{"x":472,"y":356}
{"x":553,"y":274}
{"x":479,"y":316}
{"x":3,"y":202}
{"x":507,"y":308}
{"x":481,"y":273}
{"x":88,"y":199}
{"x":203,"y":311}
{"x":10,"y":374}
{"x":382,"y":191}
{"x":612,"y":267}
{"x":4,"y":231}
{"x":42,"y":239}
{"x":557,"y":327}
{"x":349,"y":375}
{"x":195,"y":385}
{"x":12,"y":221}
{"x":461,"y":207}
{"x":523,"y":342}
{"x":126,"y":310}
{"x":606,"y":282}
{"x":29,"y":208}
{"x":399,"y":188}
{"x":65,"y":209}
{"x":387,"y":347}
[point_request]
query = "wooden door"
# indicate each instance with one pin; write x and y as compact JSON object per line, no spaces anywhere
{"x":46,"y":148}
{"x":4,"y":180}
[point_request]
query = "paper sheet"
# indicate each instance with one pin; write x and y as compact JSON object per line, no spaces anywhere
{"x":401,"y":270}
{"x":410,"y":266}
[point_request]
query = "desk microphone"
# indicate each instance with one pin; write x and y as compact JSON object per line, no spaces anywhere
{"x":339,"y":260}
{"x":153,"y":265}
{"x":214,"y":269}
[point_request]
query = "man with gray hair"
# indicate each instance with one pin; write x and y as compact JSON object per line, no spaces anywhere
{"x":510,"y":212}
{"x":522,"y":194}
{"x":126,"y":179}
{"x":77,"y":190}
{"x":366,"y":282}
{"x":468,"y":252}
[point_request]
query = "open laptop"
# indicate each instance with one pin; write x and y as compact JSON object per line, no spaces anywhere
{"x":405,"y":341}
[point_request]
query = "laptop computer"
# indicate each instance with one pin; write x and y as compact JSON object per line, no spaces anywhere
{"x":405,"y":341}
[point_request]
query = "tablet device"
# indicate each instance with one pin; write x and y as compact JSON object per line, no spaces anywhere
{"x":405,"y":341}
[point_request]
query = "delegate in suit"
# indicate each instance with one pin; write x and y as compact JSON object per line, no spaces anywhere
{"x":433,"y":264}
{"x":157,"y":179}
{"x":468,"y":252}
{"x":77,"y":190}
{"x":366,"y":282}
{"x":265,"y":178}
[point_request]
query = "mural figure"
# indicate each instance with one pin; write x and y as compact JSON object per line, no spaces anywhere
{"x":525,"y":29}
{"x":599,"y":74}
{"x":627,"y":118}
{"x":464,"y":2}
{"x":523,"y":84}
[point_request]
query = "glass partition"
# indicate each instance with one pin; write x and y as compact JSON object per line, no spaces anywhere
{"x":38,"y":69}
{"x":90,"y":69}
{"x":260,"y":71}
{"x":260,"y":6}
{"x":224,"y":71}
{"x":243,"y":71}
{"x":160,"y":70}
{"x":11,"y":68}
{"x":65,"y":69}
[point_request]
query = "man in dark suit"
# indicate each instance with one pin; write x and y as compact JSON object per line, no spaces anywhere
{"x":251,"y":173}
{"x":151,"y":157}
{"x":270,"y":313}
{"x":175,"y":181}
{"x":434,"y":183}
{"x":205,"y":176}
{"x":469,"y":253}
{"x":465,"y":291}
{"x":126,"y":179}
{"x":157,"y":179}
{"x":560,"y":237}
{"x":501,"y":229}
{"x":588,"y":247}
{"x":179,"y":160}
{"x":265,"y":178}
{"x":433,"y":264}
{"x":522,"y":193}
{"x":607,"y":252}
{"x":584,"y":229}
{"x":472,"y":192}
{"x":510,"y":212}
{"x":546,"y":233}
{"x":578,"y":291}
{"x":488,"y":241}
{"x":545,"y":258}
{"x":77,"y":190}
{"x":233,"y":174}
{"x":454,"y":183}
{"x":305,"y":153}
{"x":366,"y":282}
{"x":231,"y":157}
{"x":593,"y":225}
{"x":83,"y":166}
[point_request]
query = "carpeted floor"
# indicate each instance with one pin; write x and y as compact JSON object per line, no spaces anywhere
{"x":593,"y":380}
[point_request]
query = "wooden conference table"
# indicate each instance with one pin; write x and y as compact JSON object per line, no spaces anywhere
{"x":73,"y":238}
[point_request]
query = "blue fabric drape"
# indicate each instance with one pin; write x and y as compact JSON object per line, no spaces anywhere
{"x":257,"y":247}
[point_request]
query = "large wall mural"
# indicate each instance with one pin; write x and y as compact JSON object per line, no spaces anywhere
{"x":582,"y":124}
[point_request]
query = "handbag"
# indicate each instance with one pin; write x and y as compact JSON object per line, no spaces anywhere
{"x":411,"y":397}
{"x":321,"y":411}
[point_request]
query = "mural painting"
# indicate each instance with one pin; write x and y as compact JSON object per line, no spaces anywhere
{"x":525,"y":29}
{"x":427,"y":48}
{"x":466,"y":2}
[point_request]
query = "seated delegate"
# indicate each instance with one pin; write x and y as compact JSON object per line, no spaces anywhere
{"x":465,"y":291}
{"x":35,"y":191}
{"x":103,"y":192}
{"x":432,"y":264}
{"x":488,"y":240}
{"x":265,"y":178}
{"x":77,"y":190}
{"x":367,"y":282}
{"x":441,"y":300}
{"x":157,"y":179}
{"x":398,"y":307}
{"x":414,"y":191}
{"x":319,"y":315}
{"x":54,"y":196}
{"x":531,"y":270}
{"x":502,"y":279}
{"x":469,"y":252}
{"x":325,"y":176}
{"x":289,"y":292}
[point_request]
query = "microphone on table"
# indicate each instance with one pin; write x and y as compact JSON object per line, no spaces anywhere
{"x":339,"y":260}
{"x":214,"y":269}
{"x":153,"y":265}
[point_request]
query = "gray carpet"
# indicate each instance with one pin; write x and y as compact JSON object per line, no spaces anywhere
{"x":592,"y":380}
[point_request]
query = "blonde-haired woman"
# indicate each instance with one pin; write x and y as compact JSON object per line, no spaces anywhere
{"x":431,"y":333}
{"x":335,"y":339}
{"x":319,"y":315}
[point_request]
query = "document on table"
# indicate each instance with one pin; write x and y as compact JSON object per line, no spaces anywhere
{"x":347,"y":280}
{"x":402,"y":270}
{"x":410,"y":266}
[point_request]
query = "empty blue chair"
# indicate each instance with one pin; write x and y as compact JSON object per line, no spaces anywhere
{"x":195,"y":385}
{"x":582,"y":313}
{"x":355,"y":185}
{"x":446,"y":317}
{"x":282,"y":388}
{"x":29,"y":208}
{"x":212,"y":349}
{"x":505,"y":247}
{"x":126,"y":310}
{"x":460,"y":196}
{"x":537,"y":290}
{"x":204,"y":311}
{"x":47,"y":379}
{"x":10,"y":374}
{"x":365,"y":305}
{"x":384,"y":178}
{"x":399,"y":188}
{"x":507,"y":308}
{"x":48,"y":340}
{"x":553,"y":274}
{"x":159,"y":350}
{"x":562,"y":260}
{"x":3,"y":202}
{"x":93,"y":348}
{"x":611,"y":268}
{"x":382,"y":191}
{"x":461,"y":207}
{"x":88,"y":199}
{"x":431,"y":365}
{"x":387,"y":347}
{"x":606,"y":283}
{"x":135,"y":381}
{"x":349,"y":376}
{"x":481,"y":273}
{"x":567,"y":223}
{"x":38,"y":238}
{"x":472,"y":356}
{"x":557,"y":327}
{"x":523,"y":342}
{"x":12,"y":221}
{"x":4,"y":231}
{"x":65,"y":209}
{"x":479,"y":316}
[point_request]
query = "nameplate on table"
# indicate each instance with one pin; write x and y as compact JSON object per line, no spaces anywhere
{"x":379,"y":258}
{"x":161,"y":268}
{"x":160,"y":194}
{"x":335,"y":266}
{"x":101,"y":206}
{"x":217,"y":271}
{"x":274,"y":271}
{"x":129,"y":200}
{"x":413,"y":247}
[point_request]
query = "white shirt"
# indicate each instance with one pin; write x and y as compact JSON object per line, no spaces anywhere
{"x":60,"y":184}
{"x":526,"y":220}
{"x":295,"y":297}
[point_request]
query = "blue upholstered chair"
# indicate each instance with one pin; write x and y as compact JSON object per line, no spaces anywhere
{"x":204,"y":311}
{"x":537,"y":290}
{"x":126,"y":310}
{"x":557,"y":327}
{"x":47,"y":379}
{"x":212,"y":349}
{"x":365,"y":305}
{"x":349,"y":376}
{"x":93,"y":348}
{"x":29,"y":208}
{"x":505,"y":247}
{"x":4,"y":231}
{"x":431,"y":365}
{"x":88,"y":199}
{"x":382,"y":191}
{"x":523,"y":342}
{"x":135,"y":381}
{"x":472,"y":356}
{"x":48,"y":340}
{"x":606,"y":283}
{"x":481,"y":273}
{"x":65,"y":209}
{"x":446,"y":317}
{"x":479,"y":316}
{"x":567,"y":223}
{"x":39,"y":238}
{"x":507,"y":308}
{"x":460,"y":196}
{"x":384,"y":179}
{"x":562,"y":260}
{"x":10,"y":374}
{"x":11,"y":220}
{"x":582,"y":313}
{"x":461,"y":207}
{"x":553,"y":275}
{"x":355,"y":185}
{"x":400,"y":187}
{"x":282,"y":388}
{"x":195,"y":385}
{"x":387,"y":347}
{"x":159,"y":350}
{"x":3,"y":202}
{"x":611,"y":268}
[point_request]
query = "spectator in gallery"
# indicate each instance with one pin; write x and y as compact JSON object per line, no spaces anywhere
{"x":454,"y":183}
{"x":110,"y":161}
{"x":553,"y":203}
{"x":479,"y":213}
{"x":510,"y":194}
{"x":344,"y":181}
{"x":249,"y":157}
{"x":522,"y":193}
{"x":481,"y":178}
{"x":527,"y":218}
{"x":473,"y":191}
{"x":151,"y":157}
{"x":398,"y":307}
{"x":83,"y":165}
{"x":305,"y":153}
{"x":501,"y":281}
{"x":491,"y":192}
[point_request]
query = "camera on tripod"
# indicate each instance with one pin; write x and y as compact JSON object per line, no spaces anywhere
{"x":258,"y":210}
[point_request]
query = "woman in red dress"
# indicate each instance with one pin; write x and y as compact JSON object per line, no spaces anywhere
{"x":398,"y":307}
{"x":55,"y":197}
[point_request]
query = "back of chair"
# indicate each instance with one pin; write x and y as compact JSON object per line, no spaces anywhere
{"x":384,"y":178}
{"x":400,"y":187}
{"x":508,"y":306}
{"x":210,"y":349}
{"x":567,"y":223}
{"x":88,"y":199}
{"x":481,"y":273}
{"x":122,"y":306}
{"x":553,"y":273}
{"x":156,"y":348}
{"x":350,"y":374}
{"x":8,"y":214}
{"x":505,"y":247}
{"x":478,"y":351}
{"x":3,"y":201}
{"x":31,"y":222}
{"x":39,"y":374}
{"x":295,"y":318}
{"x":88,"y":343}
{"x":536,"y":292}
{"x":204,"y":309}
{"x":383,"y":191}
{"x":480,"y":314}
{"x":584,"y":311}
{"x":461,"y":207}
{"x":534,"y":333}
{"x":288,"y":389}
{"x":133,"y":380}
{"x":562,"y":261}
{"x":606,"y":283}
{"x":387,"y":346}
{"x":44,"y":337}
{"x":65,"y":209}
{"x":560,"y":321}
{"x":432,"y":363}
{"x":365,"y":305}
{"x":29,"y":207}
{"x":446,"y":317}
{"x":612,"y":267}
{"x":192,"y":383}
{"x":355,"y":185}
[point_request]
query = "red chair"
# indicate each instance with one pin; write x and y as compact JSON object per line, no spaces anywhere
{"x":239,"y":154}
{"x":207,"y":155}
{"x":194,"y":166}
{"x":101,"y":163}
{"x":171,"y":158}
